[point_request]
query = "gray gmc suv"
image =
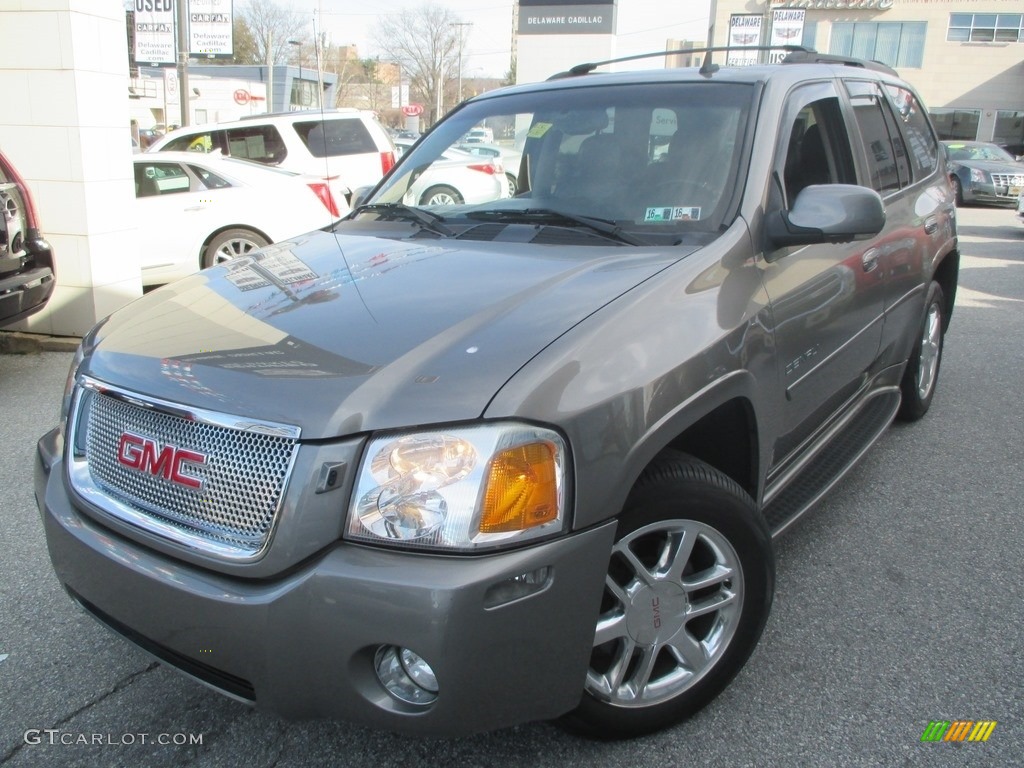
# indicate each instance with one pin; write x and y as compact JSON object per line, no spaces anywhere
{"x":447,"y":469}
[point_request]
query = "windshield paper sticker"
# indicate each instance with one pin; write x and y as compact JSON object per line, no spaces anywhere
{"x":677,"y":213}
{"x":538,"y":130}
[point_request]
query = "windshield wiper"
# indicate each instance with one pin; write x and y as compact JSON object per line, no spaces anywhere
{"x":426,"y":219}
{"x":604,"y":227}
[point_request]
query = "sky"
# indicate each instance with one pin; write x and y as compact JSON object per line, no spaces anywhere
{"x":488,"y":40}
{"x":643,"y":25}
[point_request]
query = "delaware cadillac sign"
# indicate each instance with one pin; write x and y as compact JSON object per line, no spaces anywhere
{"x":568,"y":17}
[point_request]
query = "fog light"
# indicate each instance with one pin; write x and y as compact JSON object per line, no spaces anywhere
{"x":405,"y":675}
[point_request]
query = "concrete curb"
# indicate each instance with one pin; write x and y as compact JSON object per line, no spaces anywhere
{"x":18,"y":343}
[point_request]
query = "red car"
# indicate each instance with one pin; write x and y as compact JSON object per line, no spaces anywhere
{"x":26,"y":259}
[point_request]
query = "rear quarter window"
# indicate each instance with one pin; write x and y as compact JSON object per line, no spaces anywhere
{"x":331,"y":138}
{"x":921,"y":141}
{"x":259,"y":143}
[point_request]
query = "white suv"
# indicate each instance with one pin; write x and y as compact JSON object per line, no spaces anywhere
{"x":348,"y":147}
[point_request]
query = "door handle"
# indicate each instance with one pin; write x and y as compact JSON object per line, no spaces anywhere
{"x":196,"y":208}
{"x":931,"y":224}
{"x":870,"y":259}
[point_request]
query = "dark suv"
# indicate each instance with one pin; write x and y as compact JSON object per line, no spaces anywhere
{"x":450,"y":468}
{"x":26,"y":259}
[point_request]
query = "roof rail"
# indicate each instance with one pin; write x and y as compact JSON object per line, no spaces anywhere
{"x":813,"y":57}
{"x":706,"y":68}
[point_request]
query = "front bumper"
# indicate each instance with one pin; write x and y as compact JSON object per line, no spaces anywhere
{"x":987,"y":194}
{"x":302,"y":645}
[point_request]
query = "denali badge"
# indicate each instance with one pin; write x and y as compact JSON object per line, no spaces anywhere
{"x":147,"y":455}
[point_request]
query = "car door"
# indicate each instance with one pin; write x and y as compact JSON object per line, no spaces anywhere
{"x":174,"y":213}
{"x":826,"y":300}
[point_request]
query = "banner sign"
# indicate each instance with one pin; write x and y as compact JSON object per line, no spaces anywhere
{"x":744,"y":32}
{"x":566,"y":18}
{"x":209,"y":28}
{"x":154,"y":32}
{"x":787,"y":29}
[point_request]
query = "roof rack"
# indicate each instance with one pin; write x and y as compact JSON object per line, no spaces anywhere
{"x":706,"y":68}
{"x":796,"y":54}
{"x":813,"y":57}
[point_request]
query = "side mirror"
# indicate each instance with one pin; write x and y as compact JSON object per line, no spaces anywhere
{"x":827,"y":213}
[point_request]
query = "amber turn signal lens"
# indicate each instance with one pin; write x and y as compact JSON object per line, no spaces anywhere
{"x":521,"y":490}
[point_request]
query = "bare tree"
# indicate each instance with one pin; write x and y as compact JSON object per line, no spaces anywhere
{"x":270,"y":27}
{"x":425,"y":41}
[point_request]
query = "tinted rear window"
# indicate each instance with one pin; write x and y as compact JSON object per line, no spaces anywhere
{"x":330,"y":138}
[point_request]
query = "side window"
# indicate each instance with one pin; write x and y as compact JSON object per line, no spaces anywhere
{"x":818,"y":149}
{"x":921,"y":141}
{"x":331,"y":138}
{"x":210,"y":179}
{"x":259,"y":143}
{"x":153,"y":179}
{"x":883,"y":146}
{"x":193,"y":142}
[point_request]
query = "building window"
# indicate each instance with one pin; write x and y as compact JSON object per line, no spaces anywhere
{"x":898,"y":44}
{"x":956,"y":123}
{"x":1009,"y":131}
{"x":810,"y":34}
{"x":986,"y":27}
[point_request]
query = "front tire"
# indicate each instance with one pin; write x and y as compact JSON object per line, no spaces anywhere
{"x":917,"y":388}
{"x":958,"y":190}
{"x":687,"y":595}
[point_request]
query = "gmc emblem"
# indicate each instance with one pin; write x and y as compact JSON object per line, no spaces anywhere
{"x":147,"y":455}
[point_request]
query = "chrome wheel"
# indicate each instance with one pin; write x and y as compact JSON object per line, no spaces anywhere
{"x":232,"y":249}
{"x":231,"y":244}
{"x":672,"y":604}
{"x":931,"y":348}
{"x":441,"y":195}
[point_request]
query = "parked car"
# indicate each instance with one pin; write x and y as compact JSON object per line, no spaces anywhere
{"x":981,"y":172}
{"x":456,"y":177}
{"x":479,"y":135}
{"x":510,"y":160}
{"x":26,"y":258}
{"x":1020,"y":206}
{"x":148,"y":137}
{"x":194,"y":211}
{"x":347,"y":147}
{"x":520,"y":459}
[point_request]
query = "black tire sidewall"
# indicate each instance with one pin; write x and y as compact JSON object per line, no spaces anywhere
{"x":912,"y":405}
{"x":682,"y":488}
{"x":438,"y":189}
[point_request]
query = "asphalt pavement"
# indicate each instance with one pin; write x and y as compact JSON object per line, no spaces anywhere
{"x":900,"y":601}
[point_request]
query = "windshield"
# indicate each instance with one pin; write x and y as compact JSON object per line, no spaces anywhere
{"x":979,"y":152}
{"x":654,"y":160}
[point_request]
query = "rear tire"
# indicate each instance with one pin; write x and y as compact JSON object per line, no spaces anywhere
{"x":917,"y":387}
{"x":687,"y":594}
{"x":958,"y":190}
{"x":230,"y":244}
{"x":441,"y":195}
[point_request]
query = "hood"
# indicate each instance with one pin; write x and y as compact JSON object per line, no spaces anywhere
{"x":339,"y":335}
{"x":993,"y":166}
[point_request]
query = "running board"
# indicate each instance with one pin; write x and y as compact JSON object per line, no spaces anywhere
{"x":853,"y":439}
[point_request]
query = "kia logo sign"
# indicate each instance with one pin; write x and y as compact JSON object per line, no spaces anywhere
{"x":412,"y":110}
{"x":147,"y":455}
{"x":242,"y":96}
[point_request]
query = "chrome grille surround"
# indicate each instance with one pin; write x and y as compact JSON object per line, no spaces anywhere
{"x":247,"y":465}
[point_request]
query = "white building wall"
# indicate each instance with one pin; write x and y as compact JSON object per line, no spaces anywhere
{"x":65,"y":125}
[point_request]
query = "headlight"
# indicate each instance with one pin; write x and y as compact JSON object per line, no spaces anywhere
{"x":69,"y":385}
{"x":465,"y":488}
{"x":978,"y":176}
